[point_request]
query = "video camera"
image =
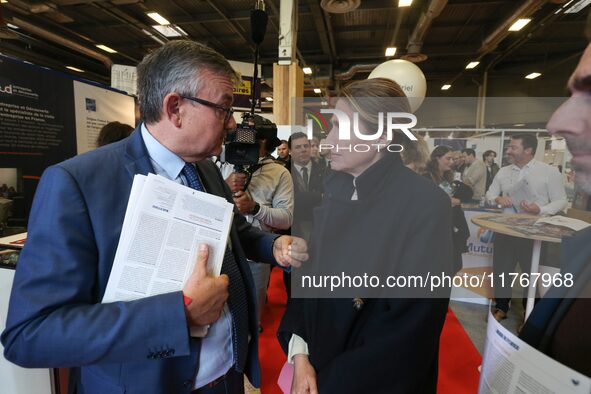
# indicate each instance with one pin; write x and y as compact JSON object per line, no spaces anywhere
{"x":242,"y":144}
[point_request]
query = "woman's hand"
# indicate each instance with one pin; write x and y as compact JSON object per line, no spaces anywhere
{"x":304,"y":376}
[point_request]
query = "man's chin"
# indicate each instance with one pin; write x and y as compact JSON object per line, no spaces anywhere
{"x":216,"y":151}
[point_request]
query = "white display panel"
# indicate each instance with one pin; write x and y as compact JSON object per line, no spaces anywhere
{"x":14,"y":379}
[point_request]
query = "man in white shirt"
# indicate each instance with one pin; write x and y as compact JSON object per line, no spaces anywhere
{"x":548,"y":197}
{"x":474,"y":173}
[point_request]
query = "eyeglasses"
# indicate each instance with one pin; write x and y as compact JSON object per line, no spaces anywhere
{"x":219,"y":108}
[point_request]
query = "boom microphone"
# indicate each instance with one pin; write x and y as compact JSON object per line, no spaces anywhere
{"x":258,"y":22}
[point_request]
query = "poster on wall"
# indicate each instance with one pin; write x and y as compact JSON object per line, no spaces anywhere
{"x":37,"y":128}
{"x":243,"y":91}
{"x":95,"y":107}
{"x":46,"y":117}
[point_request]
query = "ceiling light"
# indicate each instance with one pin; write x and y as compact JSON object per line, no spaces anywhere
{"x":152,"y":36}
{"x":158,"y":18}
{"x":317,"y":91}
{"x":269,"y":98}
{"x":390,"y":51}
{"x":74,"y":69}
{"x":12,"y":26}
{"x":532,"y":76}
{"x":519,"y":24}
{"x":404,"y":3}
{"x":170,"y":31}
{"x":472,"y":65}
{"x":3,"y":1}
{"x":106,"y":48}
{"x":577,"y":7}
{"x":307,"y":70}
{"x":445,"y":87}
{"x":519,"y":125}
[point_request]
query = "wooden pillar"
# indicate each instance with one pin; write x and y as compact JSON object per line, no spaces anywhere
{"x":288,"y":90}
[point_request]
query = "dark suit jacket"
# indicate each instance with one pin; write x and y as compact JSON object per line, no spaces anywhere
{"x":55,"y":317}
{"x":563,"y":314}
{"x":401,"y":224}
{"x":306,"y":198}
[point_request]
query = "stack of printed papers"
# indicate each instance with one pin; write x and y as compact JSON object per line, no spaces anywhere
{"x":164,"y":225}
{"x":574,"y":224}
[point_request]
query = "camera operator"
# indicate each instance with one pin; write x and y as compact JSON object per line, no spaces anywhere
{"x":268,"y":199}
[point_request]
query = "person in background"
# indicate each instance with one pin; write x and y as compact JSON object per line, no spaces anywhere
{"x":283,"y":154}
{"x":458,"y":164}
{"x":492,"y":168}
{"x":415,"y":154}
{"x":113,"y":132}
{"x":315,"y":152}
{"x":560,"y":323}
{"x":439,"y":170}
{"x":544,"y":184}
{"x":371,"y":345}
{"x":474,"y":173}
{"x":308,"y":179}
{"x":267,"y":202}
{"x":56,"y":318}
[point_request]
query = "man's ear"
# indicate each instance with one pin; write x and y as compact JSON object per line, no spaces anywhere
{"x":171,"y":108}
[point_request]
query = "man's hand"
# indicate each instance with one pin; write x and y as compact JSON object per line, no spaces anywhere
{"x":290,"y":251}
{"x":532,"y":208}
{"x":207,"y":293}
{"x":504,"y":201}
{"x":455,"y":201}
{"x":304,"y":376}
{"x":236,"y":181}
{"x":244,"y":202}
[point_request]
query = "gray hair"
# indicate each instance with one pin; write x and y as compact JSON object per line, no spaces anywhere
{"x":177,"y":66}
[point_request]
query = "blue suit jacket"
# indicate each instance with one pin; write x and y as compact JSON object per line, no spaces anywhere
{"x":55,"y":318}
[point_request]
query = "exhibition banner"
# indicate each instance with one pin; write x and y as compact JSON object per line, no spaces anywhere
{"x":47,"y":117}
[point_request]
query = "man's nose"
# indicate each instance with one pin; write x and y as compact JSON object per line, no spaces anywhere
{"x":567,"y":117}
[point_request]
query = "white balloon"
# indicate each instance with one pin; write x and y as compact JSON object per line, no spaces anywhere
{"x":406,"y":74}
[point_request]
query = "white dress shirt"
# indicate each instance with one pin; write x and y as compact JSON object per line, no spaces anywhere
{"x":544,"y":180}
{"x":216,"y":355}
{"x":299,"y":170}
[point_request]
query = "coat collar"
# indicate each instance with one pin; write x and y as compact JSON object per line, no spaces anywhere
{"x":369,"y":183}
{"x":137,"y":155}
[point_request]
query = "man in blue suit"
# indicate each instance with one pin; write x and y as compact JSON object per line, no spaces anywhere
{"x":55,"y":317}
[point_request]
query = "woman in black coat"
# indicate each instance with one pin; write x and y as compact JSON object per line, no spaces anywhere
{"x":439,"y":170}
{"x":377,"y":218}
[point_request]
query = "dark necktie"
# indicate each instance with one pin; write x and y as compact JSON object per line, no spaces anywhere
{"x":305,"y":176}
{"x":237,"y":299}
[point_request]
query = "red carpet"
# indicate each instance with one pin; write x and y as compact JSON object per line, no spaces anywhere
{"x":458,"y":358}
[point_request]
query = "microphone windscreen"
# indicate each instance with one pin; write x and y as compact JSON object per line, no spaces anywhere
{"x":258,"y":25}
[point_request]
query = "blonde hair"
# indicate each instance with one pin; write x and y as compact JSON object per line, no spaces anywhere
{"x":367,"y":95}
{"x":415,"y":153}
